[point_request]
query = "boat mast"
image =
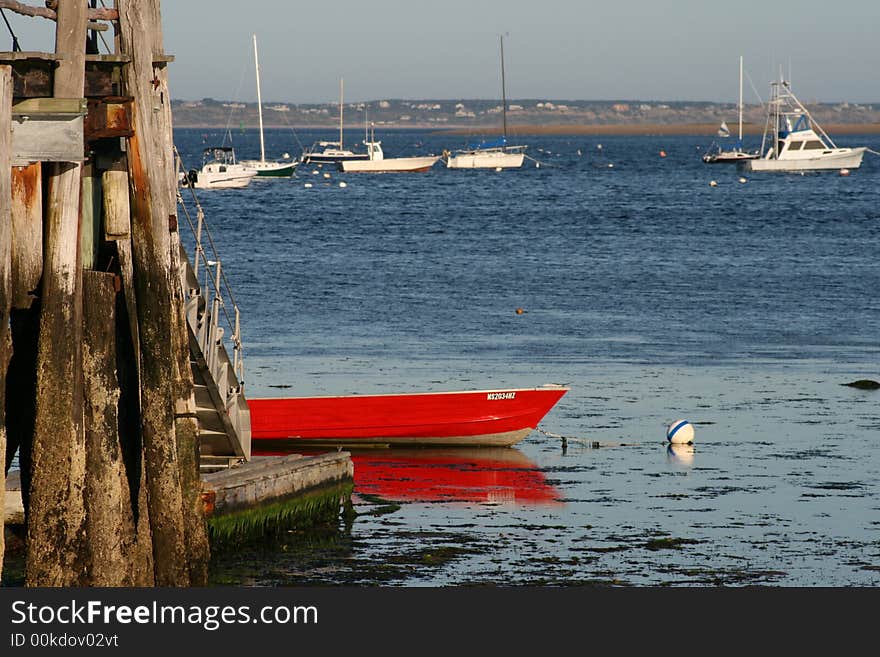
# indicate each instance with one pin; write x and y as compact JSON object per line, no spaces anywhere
{"x":739,"y":144}
{"x":503,"y":93}
{"x":259,"y":102}
{"x":340,"y":113}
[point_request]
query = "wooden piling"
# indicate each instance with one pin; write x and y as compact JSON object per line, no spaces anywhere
{"x":5,"y":267}
{"x":109,"y":521}
{"x":56,"y":514}
{"x":152,"y":202}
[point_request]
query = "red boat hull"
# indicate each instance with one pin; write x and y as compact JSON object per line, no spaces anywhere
{"x":469,"y":418}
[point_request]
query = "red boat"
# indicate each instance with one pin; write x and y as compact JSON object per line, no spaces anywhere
{"x":466,"y":418}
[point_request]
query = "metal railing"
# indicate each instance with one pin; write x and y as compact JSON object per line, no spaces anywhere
{"x":214,"y":320}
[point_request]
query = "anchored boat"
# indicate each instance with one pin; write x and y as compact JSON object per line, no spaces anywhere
{"x":219,"y":171}
{"x":463,"y":418}
{"x":494,"y":154}
{"x":716,"y":154}
{"x":266,"y":168}
{"x":378,"y":163}
{"x":793,"y":141}
{"x":333,"y":151}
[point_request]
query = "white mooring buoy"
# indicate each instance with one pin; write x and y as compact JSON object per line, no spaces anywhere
{"x":680,"y":432}
{"x":713,"y":183}
{"x":342,"y":184}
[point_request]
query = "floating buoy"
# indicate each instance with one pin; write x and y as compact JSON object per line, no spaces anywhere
{"x":326,"y":175}
{"x":743,"y":180}
{"x":315,"y":172}
{"x":285,"y":155}
{"x":342,"y":184}
{"x":680,"y":432}
{"x":579,"y":152}
{"x":599,"y":146}
{"x":662,"y":153}
{"x":497,"y":168}
{"x":307,"y":185}
{"x":537,"y":165}
{"x":713,"y":183}
{"x":844,"y":172}
{"x":520,"y":311}
{"x":610,"y":165}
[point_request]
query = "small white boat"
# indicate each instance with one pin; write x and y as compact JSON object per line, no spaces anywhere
{"x":716,"y":154}
{"x":219,"y":171}
{"x":794,"y":142}
{"x":378,"y":163}
{"x":263,"y":167}
{"x":490,"y":155}
{"x":333,"y":151}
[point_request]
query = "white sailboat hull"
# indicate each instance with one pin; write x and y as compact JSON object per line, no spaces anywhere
{"x":390,"y":165}
{"x":835,"y":158}
{"x":485,"y":160}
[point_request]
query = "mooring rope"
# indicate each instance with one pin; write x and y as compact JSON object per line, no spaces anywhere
{"x":593,"y":444}
{"x":872,"y":152}
{"x":542,"y":164}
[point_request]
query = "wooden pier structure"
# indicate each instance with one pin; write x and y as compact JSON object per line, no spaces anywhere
{"x":119,"y":388}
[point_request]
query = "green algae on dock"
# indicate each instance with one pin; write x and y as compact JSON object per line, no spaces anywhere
{"x":269,"y":495}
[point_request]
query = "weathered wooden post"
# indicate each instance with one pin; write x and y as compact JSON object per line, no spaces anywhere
{"x":5,"y":266}
{"x":109,"y":518}
{"x":56,"y":554}
{"x":153,"y":196}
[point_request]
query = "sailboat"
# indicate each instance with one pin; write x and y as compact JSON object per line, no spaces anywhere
{"x":492,"y":154}
{"x":264,"y":168}
{"x":334,"y":151}
{"x":793,"y":141}
{"x":717,"y":155}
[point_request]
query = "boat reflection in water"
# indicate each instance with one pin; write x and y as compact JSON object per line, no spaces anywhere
{"x":489,"y":475}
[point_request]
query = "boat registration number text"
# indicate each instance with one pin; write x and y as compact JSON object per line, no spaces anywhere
{"x":493,"y":396}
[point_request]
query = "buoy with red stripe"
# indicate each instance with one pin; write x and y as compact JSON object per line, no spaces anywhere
{"x":680,"y":432}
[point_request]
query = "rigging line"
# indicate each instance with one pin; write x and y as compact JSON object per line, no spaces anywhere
{"x":232,"y":109}
{"x":752,"y":84}
{"x":15,"y":46}
{"x":295,"y":136}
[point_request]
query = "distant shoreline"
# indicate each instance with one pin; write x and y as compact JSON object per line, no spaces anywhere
{"x":648,"y":129}
{"x":623,"y":129}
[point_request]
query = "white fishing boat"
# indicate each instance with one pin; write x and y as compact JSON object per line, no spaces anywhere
{"x":266,"y":168}
{"x":378,"y":163}
{"x":332,"y":152}
{"x":495,"y":154}
{"x":716,"y":154}
{"x":219,"y":171}
{"x":794,"y":142}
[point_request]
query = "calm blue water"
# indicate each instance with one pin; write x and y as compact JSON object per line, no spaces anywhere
{"x":741,"y":307}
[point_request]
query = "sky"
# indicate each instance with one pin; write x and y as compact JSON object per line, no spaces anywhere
{"x":554,"y":49}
